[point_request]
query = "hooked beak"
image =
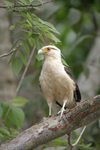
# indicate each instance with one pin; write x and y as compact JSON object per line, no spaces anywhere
{"x":40,"y":51}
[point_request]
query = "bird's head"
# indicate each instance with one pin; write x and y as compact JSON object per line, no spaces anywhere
{"x":51,"y":51}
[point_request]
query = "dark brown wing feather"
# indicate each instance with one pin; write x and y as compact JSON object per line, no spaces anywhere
{"x":77,"y":94}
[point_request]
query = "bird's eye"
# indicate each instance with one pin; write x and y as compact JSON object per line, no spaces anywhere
{"x":48,"y":48}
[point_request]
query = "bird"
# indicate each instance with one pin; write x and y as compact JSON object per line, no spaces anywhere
{"x":56,"y":81}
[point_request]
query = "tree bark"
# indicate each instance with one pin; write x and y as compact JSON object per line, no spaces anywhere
{"x":51,"y":128}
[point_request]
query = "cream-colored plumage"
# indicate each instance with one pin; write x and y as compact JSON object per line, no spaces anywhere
{"x":56,"y":84}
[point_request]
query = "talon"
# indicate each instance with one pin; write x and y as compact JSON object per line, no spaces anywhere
{"x":59,"y":112}
{"x":49,"y":116}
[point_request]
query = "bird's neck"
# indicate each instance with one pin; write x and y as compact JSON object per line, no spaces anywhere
{"x":53,"y":58}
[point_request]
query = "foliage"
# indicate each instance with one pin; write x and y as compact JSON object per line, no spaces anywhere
{"x":34,"y":30}
{"x":16,"y":117}
{"x":63,"y":142}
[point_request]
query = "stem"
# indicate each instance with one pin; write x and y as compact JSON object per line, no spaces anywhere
{"x":23,"y":75}
{"x":6,"y":7}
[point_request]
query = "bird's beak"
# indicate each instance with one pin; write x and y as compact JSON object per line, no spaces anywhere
{"x":40,"y":51}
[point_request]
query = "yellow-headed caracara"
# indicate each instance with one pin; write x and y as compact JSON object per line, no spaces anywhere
{"x":56,"y":81}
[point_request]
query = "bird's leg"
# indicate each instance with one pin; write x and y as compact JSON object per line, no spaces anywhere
{"x":62,"y":109}
{"x":50,"y":105}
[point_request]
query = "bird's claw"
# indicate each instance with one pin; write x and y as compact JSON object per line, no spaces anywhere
{"x":59,"y":112}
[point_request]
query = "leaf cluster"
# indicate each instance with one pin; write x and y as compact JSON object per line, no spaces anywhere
{"x":34,"y":30}
{"x":15,"y":117}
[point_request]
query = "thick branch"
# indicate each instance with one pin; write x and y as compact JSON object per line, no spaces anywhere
{"x":51,"y":128}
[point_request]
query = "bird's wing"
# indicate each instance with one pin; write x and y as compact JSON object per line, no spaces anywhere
{"x":77,"y":94}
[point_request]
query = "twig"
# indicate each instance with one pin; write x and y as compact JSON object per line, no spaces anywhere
{"x":12,"y":51}
{"x":23,"y":75}
{"x":69,"y":139}
{"x":79,"y":136}
{"x":28,"y":5}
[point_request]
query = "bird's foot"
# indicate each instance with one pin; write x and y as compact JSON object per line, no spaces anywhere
{"x":62,"y":116}
{"x":49,"y":116}
{"x":59,"y":112}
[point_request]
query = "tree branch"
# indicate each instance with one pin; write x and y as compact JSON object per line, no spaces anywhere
{"x":69,"y":139}
{"x":12,"y":51}
{"x":6,"y":7}
{"x":51,"y":128}
{"x":79,"y":136}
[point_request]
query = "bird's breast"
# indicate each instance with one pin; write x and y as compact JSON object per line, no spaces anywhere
{"x":55,"y":83}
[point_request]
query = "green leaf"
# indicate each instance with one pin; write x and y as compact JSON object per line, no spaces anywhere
{"x":39,"y":57}
{"x":39,"y":45}
{"x":14,"y":45}
{"x":16,"y":66}
{"x":29,"y":33}
{"x":15,"y":116}
{"x":8,"y":3}
{"x":42,"y":38}
{"x":16,"y":34}
{"x":12,"y":57}
{"x":2,"y":137}
{"x":31,"y":1}
{"x":29,"y":22}
{"x":4,"y":131}
{"x":23,"y":2}
{"x":12,"y":26}
{"x":87,"y":147}
{"x":31,"y":41}
{"x":37,"y":23}
{"x":35,"y":36}
{"x":25,"y":26}
{"x":25,"y":45}
{"x":23,"y":58}
{"x":25,"y":35}
{"x":51,"y":27}
{"x":64,"y":62}
{"x":19,"y":101}
{"x":53,"y":37}
{"x":1,"y":110}
{"x":21,"y":22}
{"x":37,"y":64}
{"x":29,"y":16}
{"x":37,"y":8}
